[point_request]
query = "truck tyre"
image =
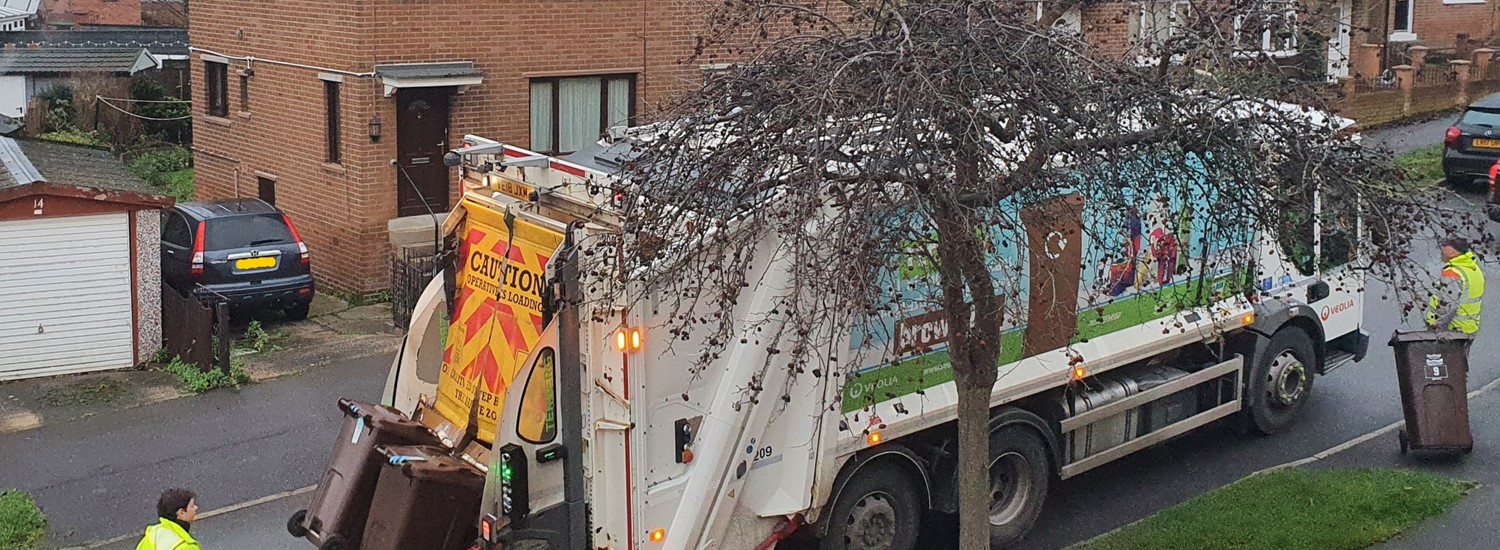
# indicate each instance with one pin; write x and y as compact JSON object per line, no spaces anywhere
{"x":877,"y":510}
{"x":1281,"y":382}
{"x":1020,"y":474}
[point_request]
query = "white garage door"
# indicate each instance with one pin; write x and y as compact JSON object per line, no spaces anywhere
{"x":65,"y":296}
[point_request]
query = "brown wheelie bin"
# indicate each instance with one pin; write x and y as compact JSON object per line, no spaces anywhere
{"x":341,"y":504}
{"x":1433,"y":369}
{"x":425,"y":499}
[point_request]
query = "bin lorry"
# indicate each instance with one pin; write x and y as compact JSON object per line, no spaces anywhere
{"x":594,"y":430}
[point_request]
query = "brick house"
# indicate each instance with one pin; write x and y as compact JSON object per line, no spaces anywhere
{"x":90,"y":12}
{"x":341,"y":110}
{"x":1119,"y":27}
{"x":1433,"y":23}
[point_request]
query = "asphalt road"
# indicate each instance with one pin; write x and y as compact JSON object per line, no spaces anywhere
{"x":99,"y":477}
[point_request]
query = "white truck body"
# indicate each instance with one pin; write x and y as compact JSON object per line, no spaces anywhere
{"x":760,"y":463}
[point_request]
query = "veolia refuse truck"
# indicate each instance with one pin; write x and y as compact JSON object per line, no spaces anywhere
{"x":591,"y":431}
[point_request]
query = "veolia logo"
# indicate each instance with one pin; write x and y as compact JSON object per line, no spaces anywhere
{"x":1330,"y":311}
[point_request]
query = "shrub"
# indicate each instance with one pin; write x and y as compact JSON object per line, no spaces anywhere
{"x":21,"y":522}
{"x":198,"y":381}
{"x":75,"y":137}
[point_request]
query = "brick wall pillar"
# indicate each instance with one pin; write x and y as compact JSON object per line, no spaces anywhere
{"x":1417,"y":57}
{"x":1404,"y":80}
{"x":1346,"y":89}
{"x":1482,"y":59}
{"x":1367,"y":60}
{"x":1461,"y":71}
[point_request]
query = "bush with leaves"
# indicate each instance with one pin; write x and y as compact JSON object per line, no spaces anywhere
{"x":197,"y":380}
{"x":21,"y":522}
{"x":165,"y":117}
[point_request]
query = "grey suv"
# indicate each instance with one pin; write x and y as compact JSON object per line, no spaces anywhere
{"x":242,"y":250}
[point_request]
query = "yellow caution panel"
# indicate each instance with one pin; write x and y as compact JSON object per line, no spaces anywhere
{"x":497,"y":319}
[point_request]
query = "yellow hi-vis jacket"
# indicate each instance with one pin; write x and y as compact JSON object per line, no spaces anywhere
{"x":167,"y":535}
{"x":1463,"y":271}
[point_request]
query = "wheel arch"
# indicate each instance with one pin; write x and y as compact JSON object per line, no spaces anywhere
{"x":1033,"y":413}
{"x":1273,"y":316}
{"x":893,"y":453}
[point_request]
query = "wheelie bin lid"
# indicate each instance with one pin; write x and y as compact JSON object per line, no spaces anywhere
{"x":1412,"y":336}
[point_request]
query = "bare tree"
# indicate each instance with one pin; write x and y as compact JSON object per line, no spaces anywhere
{"x":899,"y":150}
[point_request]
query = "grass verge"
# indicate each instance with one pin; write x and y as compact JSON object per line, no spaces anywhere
{"x":21,"y":522}
{"x":199,"y":381}
{"x":1424,"y":165}
{"x":1294,"y":509}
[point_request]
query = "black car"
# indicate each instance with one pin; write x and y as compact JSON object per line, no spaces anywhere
{"x":243,"y":250}
{"x":1472,"y":145}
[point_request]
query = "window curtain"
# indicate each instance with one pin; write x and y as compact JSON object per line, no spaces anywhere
{"x":619,"y":102}
{"x":541,"y":117}
{"x":578,"y":105}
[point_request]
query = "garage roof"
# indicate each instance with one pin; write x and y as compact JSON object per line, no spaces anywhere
{"x":38,"y":167}
{"x":74,"y":60}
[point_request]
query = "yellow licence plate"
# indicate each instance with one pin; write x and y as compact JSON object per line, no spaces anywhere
{"x":255,"y":263}
{"x":513,"y":188}
{"x":1487,"y":143}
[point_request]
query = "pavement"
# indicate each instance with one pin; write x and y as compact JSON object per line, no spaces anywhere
{"x":335,"y":330}
{"x":99,"y":448}
{"x":1475,"y":521}
{"x":1404,"y":138}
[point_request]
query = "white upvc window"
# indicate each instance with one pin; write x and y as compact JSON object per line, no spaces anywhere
{"x":1402,"y":20}
{"x":1159,"y":20}
{"x":1272,"y":31}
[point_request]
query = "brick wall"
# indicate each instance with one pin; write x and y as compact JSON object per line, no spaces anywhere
{"x":164,"y":13}
{"x":342,"y":210}
{"x":92,"y":12}
{"x":1437,"y":24}
{"x":1106,"y":27}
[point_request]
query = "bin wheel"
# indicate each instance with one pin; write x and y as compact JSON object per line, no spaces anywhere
{"x":294,"y":525}
{"x":1401,"y":438}
{"x":334,"y":542}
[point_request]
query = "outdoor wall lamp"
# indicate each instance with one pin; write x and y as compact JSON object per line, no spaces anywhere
{"x":375,"y":129}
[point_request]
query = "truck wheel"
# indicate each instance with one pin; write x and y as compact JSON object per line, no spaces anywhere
{"x":1281,"y":381}
{"x":1019,"y":476}
{"x":877,"y":510}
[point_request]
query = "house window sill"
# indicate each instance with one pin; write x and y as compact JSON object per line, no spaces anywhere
{"x":244,"y":114}
{"x":1403,"y":37}
{"x":221,"y":121}
{"x":1462,"y":2}
{"x":332,"y":168}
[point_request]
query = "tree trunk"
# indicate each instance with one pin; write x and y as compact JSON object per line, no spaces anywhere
{"x":974,"y":319}
{"x":973,"y":460}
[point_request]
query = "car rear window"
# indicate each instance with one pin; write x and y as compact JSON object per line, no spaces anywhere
{"x":1477,"y":117}
{"x":246,"y":231}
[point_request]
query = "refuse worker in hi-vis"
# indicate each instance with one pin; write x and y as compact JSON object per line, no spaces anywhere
{"x":1460,"y":289}
{"x":177,"y":509}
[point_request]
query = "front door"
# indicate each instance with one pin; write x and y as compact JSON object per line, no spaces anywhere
{"x":1339,"y":44}
{"x":421,"y":141}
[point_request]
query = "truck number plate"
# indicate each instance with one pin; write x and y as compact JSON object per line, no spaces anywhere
{"x":513,"y":188}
